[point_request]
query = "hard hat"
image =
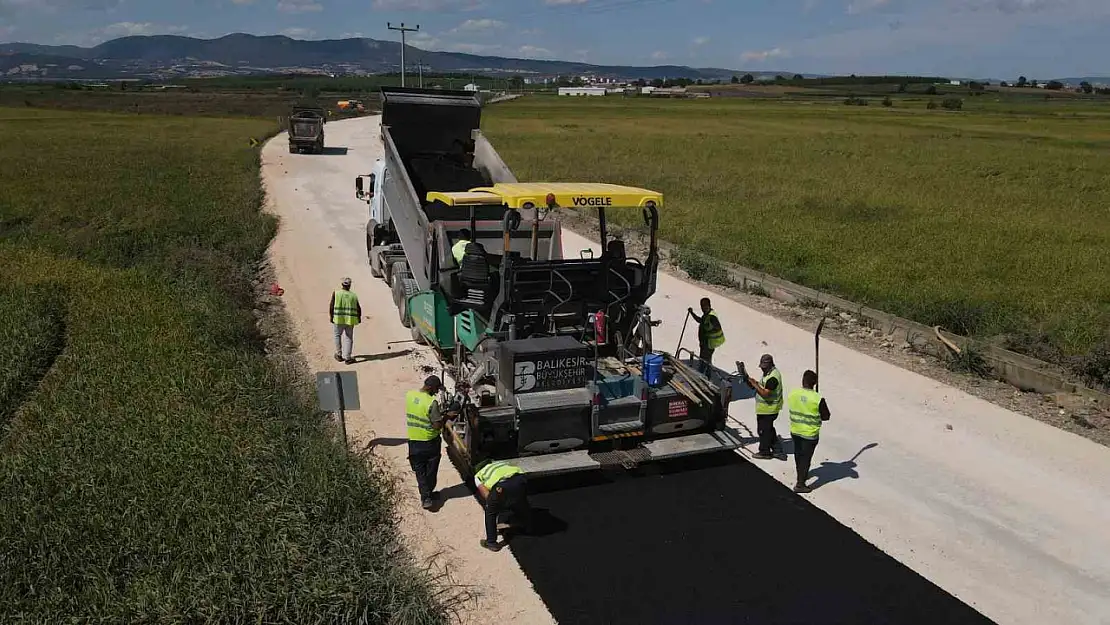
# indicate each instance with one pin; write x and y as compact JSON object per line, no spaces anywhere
{"x":433,"y":382}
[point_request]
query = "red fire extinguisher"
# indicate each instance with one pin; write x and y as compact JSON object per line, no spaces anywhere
{"x":599,"y":326}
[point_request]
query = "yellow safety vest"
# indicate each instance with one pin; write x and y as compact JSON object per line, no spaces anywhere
{"x":715,"y":338}
{"x":773,"y":404}
{"x":417,"y":406}
{"x":494,"y":472}
{"x":805,"y":416}
{"x":459,"y":249}
{"x":345,"y":309}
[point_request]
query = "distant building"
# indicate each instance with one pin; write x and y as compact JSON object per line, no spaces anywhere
{"x":471,"y":87}
{"x":582,"y":91}
{"x":954,"y":82}
{"x":669,"y":92}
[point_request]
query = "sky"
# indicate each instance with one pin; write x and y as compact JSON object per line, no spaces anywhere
{"x":956,"y":38}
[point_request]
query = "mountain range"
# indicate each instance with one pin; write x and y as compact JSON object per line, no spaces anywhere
{"x":154,"y":56}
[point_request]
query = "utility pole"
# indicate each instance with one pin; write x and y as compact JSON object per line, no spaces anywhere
{"x":403,"y":30}
{"x":420,"y":68}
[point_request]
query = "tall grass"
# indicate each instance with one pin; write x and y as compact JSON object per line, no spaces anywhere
{"x":162,"y":470}
{"x":988,"y":222}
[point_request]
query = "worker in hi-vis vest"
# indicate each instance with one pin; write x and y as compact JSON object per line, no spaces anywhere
{"x":807,"y":411}
{"x":503,"y":489}
{"x":710,"y":334}
{"x":458,"y":250}
{"x":346,"y":313}
{"x":425,"y":422}
{"x":768,"y":404}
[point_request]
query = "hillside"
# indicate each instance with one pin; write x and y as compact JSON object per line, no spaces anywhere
{"x":241,"y":53}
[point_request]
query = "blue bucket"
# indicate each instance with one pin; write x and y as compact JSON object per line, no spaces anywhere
{"x":653,"y":368}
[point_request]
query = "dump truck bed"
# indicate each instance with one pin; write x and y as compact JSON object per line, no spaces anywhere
{"x":432,"y":142}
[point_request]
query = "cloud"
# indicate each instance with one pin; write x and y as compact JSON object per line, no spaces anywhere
{"x":131,"y":29}
{"x":701,"y":41}
{"x":53,"y":6}
{"x":760,"y":56}
{"x":556,"y":3}
{"x":533,"y":51}
{"x":479,"y":25}
{"x":298,"y":33}
{"x":427,"y":5}
{"x":659,"y":55}
{"x":1014,"y":6}
{"x":299,"y":6}
{"x":856,"y":7}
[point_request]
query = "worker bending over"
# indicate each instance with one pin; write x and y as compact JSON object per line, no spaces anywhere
{"x":768,"y":404}
{"x":458,"y":250}
{"x":503,"y":488}
{"x":807,"y":410}
{"x":425,"y":423}
{"x":346,"y":313}
{"x":710,"y":334}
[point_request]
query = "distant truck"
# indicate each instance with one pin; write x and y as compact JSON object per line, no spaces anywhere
{"x":306,"y":129}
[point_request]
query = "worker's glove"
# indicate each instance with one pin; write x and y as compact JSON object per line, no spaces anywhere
{"x":744,"y":374}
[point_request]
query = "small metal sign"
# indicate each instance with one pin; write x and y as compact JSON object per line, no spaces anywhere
{"x":337,"y":390}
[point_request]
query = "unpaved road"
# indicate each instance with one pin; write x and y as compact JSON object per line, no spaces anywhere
{"x":1006,"y":513}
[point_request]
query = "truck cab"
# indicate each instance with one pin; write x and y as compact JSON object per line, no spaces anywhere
{"x":368,"y":188}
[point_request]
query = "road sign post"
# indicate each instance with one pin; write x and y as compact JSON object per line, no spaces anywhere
{"x":337,"y":391}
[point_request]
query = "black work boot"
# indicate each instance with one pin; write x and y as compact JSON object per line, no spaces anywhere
{"x":800,"y":487}
{"x":494,"y":547}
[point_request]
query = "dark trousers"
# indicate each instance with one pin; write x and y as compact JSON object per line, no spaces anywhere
{"x":768,"y":437}
{"x":803,"y":456}
{"x":706,"y":354}
{"x":508,"y":495}
{"x":424,"y":460}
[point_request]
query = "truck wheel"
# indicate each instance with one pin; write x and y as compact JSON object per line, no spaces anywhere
{"x":375,"y":268}
{"x":292,"y":150}
{"x":398,"y":267}
{"x":408,"y":289}
{"x":397,"y":272}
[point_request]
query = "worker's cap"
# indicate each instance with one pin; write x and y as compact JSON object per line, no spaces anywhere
{"x":766,"y":361}
{"x":346,"y":282}
{"x":433,"y":383}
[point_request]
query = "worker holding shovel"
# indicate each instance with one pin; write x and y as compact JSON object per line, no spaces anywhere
{"x":710,"y":333}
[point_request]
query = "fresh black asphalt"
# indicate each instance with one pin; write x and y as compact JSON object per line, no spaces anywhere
{"x":711,"y":540}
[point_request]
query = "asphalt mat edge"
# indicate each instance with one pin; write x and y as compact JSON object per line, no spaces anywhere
{"x":711,"y":540}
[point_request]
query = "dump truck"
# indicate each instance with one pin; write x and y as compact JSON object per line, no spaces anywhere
{"x":306,"y":129}
{"x":552,"y":358}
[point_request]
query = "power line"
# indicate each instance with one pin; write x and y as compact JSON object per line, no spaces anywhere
{"x":403,"y":30}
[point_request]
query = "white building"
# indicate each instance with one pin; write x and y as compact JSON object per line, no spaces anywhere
{"x":586,"y":91}
{"x":471,"y":87}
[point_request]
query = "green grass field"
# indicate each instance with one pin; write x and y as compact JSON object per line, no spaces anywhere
{"x":154,"y":465}
{"x":991,"y":222}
